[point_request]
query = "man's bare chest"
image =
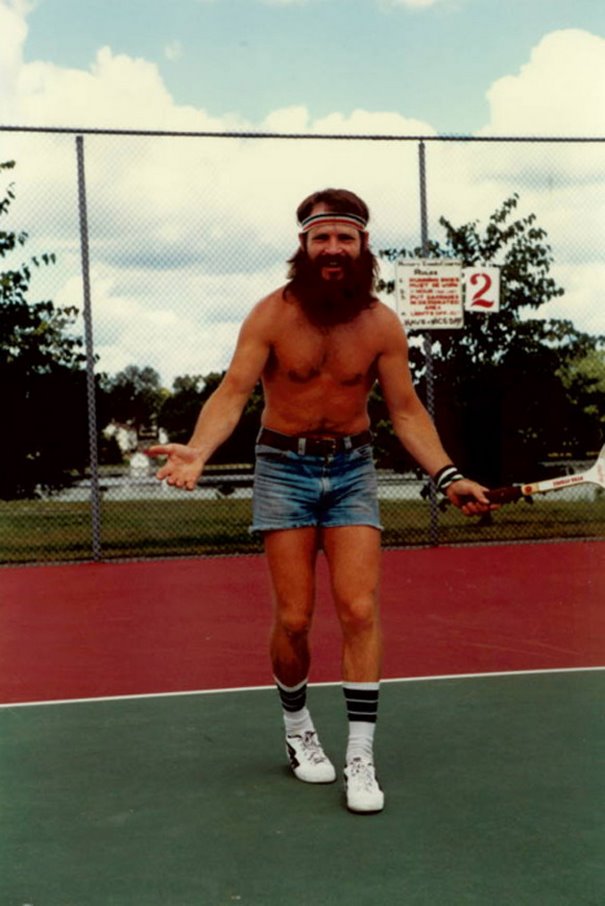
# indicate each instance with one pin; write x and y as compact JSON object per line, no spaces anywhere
{"x":343,"y":358}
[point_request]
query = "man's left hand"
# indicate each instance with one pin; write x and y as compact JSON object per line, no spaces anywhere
{"x":469,"y":496}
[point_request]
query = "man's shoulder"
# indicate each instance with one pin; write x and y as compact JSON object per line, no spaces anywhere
{"x":269,"y":303}
{"x":383,"y":315}
{"x":387,"y":329}
{"x":274,"y":299}
{"x":265,"y":314}
{"x":382,"y":309}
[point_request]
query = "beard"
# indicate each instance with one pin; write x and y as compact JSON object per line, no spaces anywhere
{"x":330,"y":302}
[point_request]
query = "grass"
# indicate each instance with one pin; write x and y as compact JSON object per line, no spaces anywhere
{"x":46,"y":531}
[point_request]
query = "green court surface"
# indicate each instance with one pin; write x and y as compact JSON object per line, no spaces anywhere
{"x":494,"y":784}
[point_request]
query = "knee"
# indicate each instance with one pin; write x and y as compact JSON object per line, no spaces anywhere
{"x":294,"y":621}
{"x":358,"y":614}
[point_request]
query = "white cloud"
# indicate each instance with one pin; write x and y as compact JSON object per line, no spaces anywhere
{"x":188,"y":327}
{"x":559,"y":91}
{"x":414,"y":4}
{"x":118,"y":90}
{"x":13,"y":34}
{"x":298,"y":119}
{"x":364,"y":122}
{"x":13,"y":28}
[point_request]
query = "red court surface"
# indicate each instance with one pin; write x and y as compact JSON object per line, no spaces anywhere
{"x":112,"y":629}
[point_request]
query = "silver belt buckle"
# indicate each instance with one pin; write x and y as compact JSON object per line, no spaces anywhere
{"x":332,"y":443}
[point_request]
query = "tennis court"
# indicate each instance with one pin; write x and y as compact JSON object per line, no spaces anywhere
{"x":141,"y":755}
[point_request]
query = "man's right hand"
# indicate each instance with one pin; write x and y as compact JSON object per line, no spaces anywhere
{"x":183,"y":467}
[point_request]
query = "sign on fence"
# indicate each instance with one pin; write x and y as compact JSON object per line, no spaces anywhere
{"x":433,"y":295}
{"x":429,"y":294}
{"x":481,"y":289}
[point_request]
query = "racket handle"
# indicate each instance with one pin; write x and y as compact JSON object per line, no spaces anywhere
{"x":504,"y":495}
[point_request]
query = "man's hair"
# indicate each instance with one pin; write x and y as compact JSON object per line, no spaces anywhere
{"x":341,"y":201}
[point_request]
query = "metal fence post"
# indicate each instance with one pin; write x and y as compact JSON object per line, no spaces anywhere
{"x":428,"y":343}
{"x":95,"y":493}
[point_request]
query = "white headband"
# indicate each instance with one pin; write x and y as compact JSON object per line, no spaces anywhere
{"x":333,"y":217}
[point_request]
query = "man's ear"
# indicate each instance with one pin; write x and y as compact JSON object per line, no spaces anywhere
{"x":302,"y":238}
{"x":365,"y":240}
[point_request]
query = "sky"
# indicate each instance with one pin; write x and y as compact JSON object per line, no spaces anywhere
{"x":186,"y":236}
{"x":430,"y":61}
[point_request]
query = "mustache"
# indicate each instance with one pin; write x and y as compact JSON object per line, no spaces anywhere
{"x":332,"y":260}
{"x":346,"y":265}
{"x":362,"y":272}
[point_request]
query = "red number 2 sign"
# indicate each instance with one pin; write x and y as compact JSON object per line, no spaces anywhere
{"x":482,"y":289}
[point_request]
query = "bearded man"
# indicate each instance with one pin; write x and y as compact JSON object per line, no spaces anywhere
{"x":319,"y":344}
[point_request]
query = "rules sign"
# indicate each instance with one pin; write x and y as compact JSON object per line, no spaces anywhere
{"x":429,"y":294}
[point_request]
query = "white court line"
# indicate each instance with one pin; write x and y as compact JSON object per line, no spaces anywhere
{"x":403,"y":679}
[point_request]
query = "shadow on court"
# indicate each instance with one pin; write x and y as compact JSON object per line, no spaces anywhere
{"x":494,"y":785}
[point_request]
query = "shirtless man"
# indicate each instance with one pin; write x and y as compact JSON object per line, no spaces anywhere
{"x":318,"y":345}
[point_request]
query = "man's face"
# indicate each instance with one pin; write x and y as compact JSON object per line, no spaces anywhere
{"x":331,"y":246}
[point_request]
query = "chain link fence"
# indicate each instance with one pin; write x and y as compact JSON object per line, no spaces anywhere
{"x":163,"y":242}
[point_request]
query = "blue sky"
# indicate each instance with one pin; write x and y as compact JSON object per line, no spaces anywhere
{"x":432,"y":62}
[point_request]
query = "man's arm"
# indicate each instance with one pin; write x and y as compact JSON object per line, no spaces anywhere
{"x":411,"y":421}
{"x":222,"y":410}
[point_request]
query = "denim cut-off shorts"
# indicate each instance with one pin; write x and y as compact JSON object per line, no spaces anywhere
{"x":294,"y":491}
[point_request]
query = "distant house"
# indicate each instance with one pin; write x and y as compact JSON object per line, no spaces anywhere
{"x":127,"y":438}
{"x":139,"y":466}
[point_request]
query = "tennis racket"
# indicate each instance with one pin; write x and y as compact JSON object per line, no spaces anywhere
{"x":594,"y":475}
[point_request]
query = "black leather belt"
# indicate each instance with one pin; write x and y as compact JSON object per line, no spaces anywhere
{"x":314,"y":446}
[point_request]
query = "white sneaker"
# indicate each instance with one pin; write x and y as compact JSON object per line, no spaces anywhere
{"x":363,"y":792}
{"x":308,"y":760}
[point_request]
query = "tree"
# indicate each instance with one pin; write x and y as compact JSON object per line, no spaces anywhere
{"x":502,"y":407}
{"x":179,"y":413}
{"x":584,"y":380}
{"x":43,"y":384}
{"x":133,"y":396}
{"x":180,"y":410}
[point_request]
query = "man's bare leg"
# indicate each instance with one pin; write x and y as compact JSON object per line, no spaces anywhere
{"x":353,"y":554}
{"x":292,"y":555}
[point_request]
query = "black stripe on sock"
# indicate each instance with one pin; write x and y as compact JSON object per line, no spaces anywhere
{"x":362,"y":704}
{"x":293,"y":701}
{"x":361,"y":694}
{"x":362,"y":707}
